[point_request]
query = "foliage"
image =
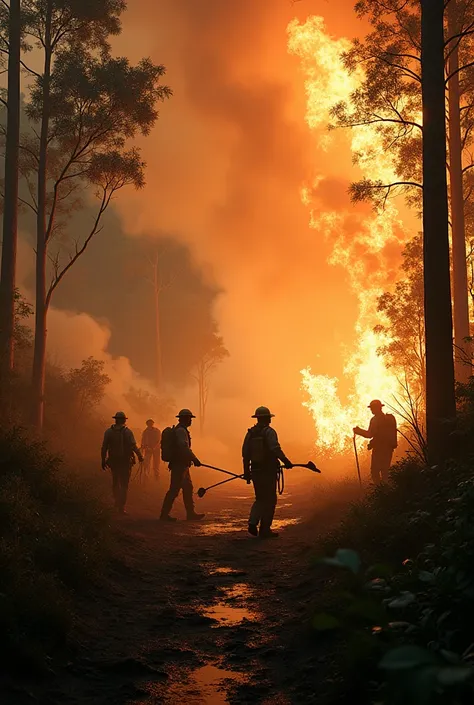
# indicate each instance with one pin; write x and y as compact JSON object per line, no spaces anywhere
{"x":53,"y":541}
{"x":149,"y":405}
{"x":89,"y":382}
{"x":96,"y":105}
{"x":406,"y":615}
{"x":23,"y":311}
{"x":214,"y":353}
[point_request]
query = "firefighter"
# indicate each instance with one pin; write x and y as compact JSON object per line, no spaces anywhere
{"x":181,"y":457}
{"x":118,"y":451}
{"x":382,"y":433}
{"x":151,"y":438}
{"x":262,"y":454}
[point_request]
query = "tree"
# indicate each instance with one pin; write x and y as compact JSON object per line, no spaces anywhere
{"x":10,"y":211}
{"x":215,"y":353}
{"x":89,"y":383}
{"x":440,"y":396}
{"x":147,"y":404}
{"x":462,"y":351}
{"x":87,"y":106}
{"x":405,"y":325}
{"x":391,"y":97}
{"x":160,"y":280}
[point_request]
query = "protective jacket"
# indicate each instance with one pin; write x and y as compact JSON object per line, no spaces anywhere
{"x":151,"y":437}
{"x":183,"y":456}
{"x":261,"y":449}
{"x":119,"y":445}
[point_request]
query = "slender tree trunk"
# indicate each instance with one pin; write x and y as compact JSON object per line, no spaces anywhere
{"x":463,"y":352}
{"x":159,"y":361}
{"x":440,"y":397}
{"x":39,"y":358}
{"x":10,"y":214}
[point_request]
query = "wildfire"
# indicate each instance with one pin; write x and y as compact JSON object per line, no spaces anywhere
{"x":362,"y":250}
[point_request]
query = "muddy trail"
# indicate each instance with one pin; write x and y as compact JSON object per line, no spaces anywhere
{"x":199,"y":612}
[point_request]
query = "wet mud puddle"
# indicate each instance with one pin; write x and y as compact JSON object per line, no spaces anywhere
{"x":230,"y":610}
{"x":207,"y":685}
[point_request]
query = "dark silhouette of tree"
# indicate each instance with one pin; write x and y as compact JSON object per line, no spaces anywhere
{"x":440,"y":396}
{"x":390,"y":97}
{"x":213,"y":356}
{"x":10,"y":19}
{"x":85,"y":106}
{"x":89,"y":383}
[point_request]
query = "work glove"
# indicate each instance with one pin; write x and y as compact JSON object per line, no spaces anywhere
{"x":197,"y":463}
{"x":356,"y":430}
{"x":287,"y":464}
{"x":248,"y":477}
{"x":105,"y":467}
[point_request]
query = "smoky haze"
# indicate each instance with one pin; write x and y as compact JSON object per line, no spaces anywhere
{"x":226,"y":164}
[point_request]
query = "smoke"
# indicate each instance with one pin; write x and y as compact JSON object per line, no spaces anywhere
{"x":226,"y":164}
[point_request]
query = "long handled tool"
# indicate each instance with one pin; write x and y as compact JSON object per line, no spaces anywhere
{"x":202,"y":490}
{"x":308,"y":466}
{"x":357,"y":459}
{"x":226,"y":472}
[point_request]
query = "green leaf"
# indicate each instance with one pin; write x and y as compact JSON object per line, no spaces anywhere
{"x":406,"y":657}
{"x":426,"y":577}
{"x":405,"y":599}
{"x":453,"y":675}
{"x":324,"y":622}
{"x":349,"y":558}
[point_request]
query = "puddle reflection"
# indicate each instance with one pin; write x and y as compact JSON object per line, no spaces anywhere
{"x":224,"y":525}
{"x":206,"y":686}
{"x":228,"y":616}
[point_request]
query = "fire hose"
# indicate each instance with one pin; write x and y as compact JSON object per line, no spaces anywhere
{"x":280,"y":477}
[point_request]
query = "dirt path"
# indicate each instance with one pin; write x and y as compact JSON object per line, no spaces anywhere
{"x":199,"y":613}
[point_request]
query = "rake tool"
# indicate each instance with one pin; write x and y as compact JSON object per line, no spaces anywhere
{"x":202,"y":490}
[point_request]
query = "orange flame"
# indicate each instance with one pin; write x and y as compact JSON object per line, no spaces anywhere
{"x":327,"y":82}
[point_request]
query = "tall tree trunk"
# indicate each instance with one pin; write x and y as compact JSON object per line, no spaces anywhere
{"x":463,"y":352}
{"x":440,"y":397}
{"x":39,"y":358}
{"x":10,"y":214}
{"x":157,"y":288}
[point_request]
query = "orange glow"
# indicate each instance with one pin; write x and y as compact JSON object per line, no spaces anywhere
{"x":362,"y":253}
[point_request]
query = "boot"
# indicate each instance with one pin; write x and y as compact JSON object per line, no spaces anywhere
{"x":195,"y":517}
{"x":253,"y":529}
{"x":268,"y":534}
{"x":166,"y":517}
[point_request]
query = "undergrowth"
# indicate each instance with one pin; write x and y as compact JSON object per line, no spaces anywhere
{"x":53,"y":539}
{"x":401,"y":598}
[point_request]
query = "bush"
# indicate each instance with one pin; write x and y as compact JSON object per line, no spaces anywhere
{"x":53,"y":536}
{"x":404,"y":606}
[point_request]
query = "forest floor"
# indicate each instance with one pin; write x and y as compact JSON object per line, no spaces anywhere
{"x":199,"y":612}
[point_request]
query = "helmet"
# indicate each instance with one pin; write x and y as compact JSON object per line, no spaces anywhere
{"x":262,"y":412}
{"x":376,"y":403}
{"x":120,"y":415}
{"x":185,"y":412}
{"x":150,"y":421}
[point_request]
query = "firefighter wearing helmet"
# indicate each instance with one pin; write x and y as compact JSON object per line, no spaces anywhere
{"x":180,"y":458}
{"x":118,"y":454}
{"x":262,"y":453}
{"x":382,"y":432}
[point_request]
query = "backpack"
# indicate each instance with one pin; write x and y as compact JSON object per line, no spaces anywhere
{"x":168,"y":444}
{"x":258,"y":450}
{"x":390,"y":430}
{"x":119,"y":443}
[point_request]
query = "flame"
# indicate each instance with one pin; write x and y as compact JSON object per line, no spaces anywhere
{"x":361,"y":251}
